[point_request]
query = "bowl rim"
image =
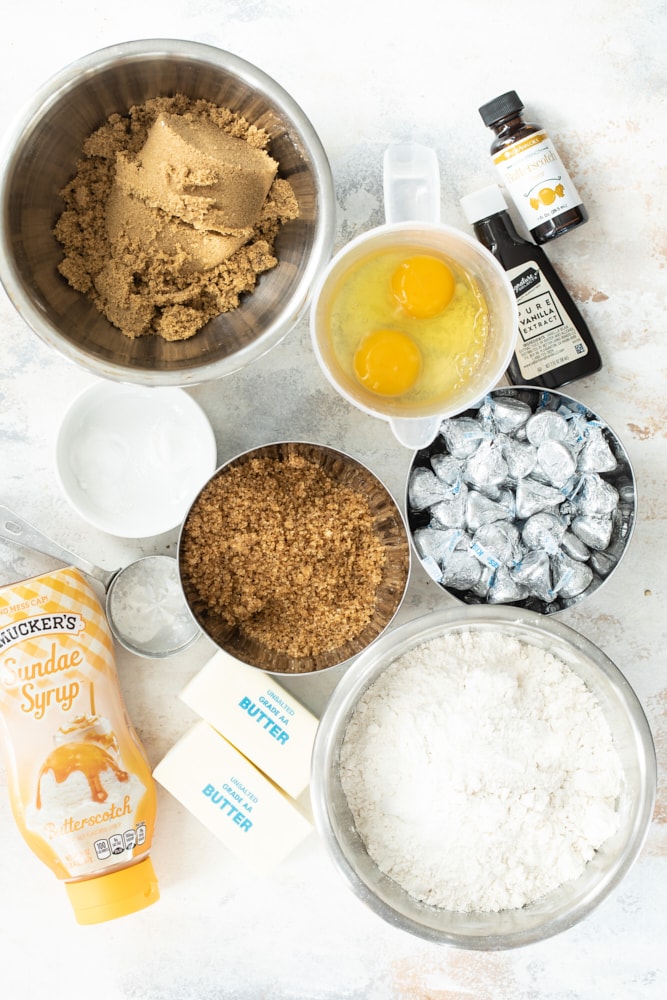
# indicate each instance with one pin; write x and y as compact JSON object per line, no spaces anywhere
{"x":53,"y":91}
{"x":348,"y":459}
{"x":370,"y":664}
{"x":590,"y":414}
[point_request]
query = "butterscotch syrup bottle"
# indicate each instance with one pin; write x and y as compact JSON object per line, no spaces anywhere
{"x":80,"y":784}
{"x":531,"y":170}
{"x":554,"y":345}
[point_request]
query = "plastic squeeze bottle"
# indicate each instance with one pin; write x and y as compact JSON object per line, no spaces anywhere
{"x":531,"y":170}
{"x":80,"y":786}
{"x":554,"y":345}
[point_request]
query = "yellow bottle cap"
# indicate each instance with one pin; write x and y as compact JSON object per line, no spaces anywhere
{"x":115,"y":894}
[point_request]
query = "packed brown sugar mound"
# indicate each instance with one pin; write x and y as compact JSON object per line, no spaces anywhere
{"x":171,"y":216}
{"x":286,"y":554}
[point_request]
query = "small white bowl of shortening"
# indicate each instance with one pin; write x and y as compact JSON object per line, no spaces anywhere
{"x":483,"y":778}
{"x":131,"y":458}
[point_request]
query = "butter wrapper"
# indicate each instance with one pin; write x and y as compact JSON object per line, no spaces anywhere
{"x":258,"y":716}
{"x":255,"y":820}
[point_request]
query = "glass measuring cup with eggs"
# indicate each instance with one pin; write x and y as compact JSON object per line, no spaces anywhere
{"x":413,"y":321}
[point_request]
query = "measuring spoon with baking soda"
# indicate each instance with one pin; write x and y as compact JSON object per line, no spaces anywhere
{"x":145,"y":606}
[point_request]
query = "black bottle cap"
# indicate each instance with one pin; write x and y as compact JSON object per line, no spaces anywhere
{"x":501,"y":107}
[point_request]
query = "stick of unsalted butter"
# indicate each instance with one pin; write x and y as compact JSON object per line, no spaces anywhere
{"x":258,"y":716}
{"x":255,"y":820}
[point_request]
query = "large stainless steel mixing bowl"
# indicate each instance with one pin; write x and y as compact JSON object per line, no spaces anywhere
{"x":40,"y":154}
{"x":559,"y":909}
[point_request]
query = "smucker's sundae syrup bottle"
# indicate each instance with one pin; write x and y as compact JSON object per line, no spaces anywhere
{"x":531,"y":170}
{"x":554,"y":345}
{"x":80,"y":784}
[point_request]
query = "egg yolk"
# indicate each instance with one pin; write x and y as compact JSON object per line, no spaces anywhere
{"x":423,"y":285}
{"x":387,"y":362}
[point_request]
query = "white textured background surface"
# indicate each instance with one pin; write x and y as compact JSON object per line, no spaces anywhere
{"x":367,"y":74}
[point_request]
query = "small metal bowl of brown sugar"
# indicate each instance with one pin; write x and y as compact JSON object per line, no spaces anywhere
{"x":294,"y":557}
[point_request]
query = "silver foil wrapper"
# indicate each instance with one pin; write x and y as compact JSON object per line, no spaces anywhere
{"x":543,"y":531}
{"x":451,"y":513}
{"x":534,"y":573}
{"x":481,"y":509}
{"x":596,"y":455}
{"x":518,"y":504}
{"x":426,"y":489}
{"x":504,"y":589}
{"x":533,"y":496}
{"x":461,"y":571}
{"x":595,"y":532}
{"x":520,"y":458}
{"x":497,"y":544}
{"x":509,"y":414}
{"x":574,"y":547}
{"x":595,"y":496}
{"x":438,"y":544}
{"x":487,"y":466}
{"x":571,"y":577}
{"x":546,"y":425}
{"x":448,"y":470}
{"x":556,"y":462}
{"x":462,"y":435}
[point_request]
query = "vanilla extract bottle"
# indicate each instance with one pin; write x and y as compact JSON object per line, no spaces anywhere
{"x":554,"y":345}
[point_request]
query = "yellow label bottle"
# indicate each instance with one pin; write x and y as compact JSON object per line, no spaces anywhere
{"x":531,"y":170}
{"x":80,"y":786}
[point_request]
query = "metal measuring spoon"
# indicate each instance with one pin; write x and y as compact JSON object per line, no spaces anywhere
{"x":145,"y":607}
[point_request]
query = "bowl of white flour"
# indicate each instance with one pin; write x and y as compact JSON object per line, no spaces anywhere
{"x":483,"y":778}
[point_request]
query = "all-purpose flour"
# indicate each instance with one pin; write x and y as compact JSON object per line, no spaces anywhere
{"x":481,"y":772}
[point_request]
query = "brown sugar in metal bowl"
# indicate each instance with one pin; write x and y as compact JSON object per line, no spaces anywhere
{"x":294,"y":557}
{"x":40,"y":159}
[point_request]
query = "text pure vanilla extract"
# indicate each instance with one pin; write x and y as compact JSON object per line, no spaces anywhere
{"x":554,"y":345}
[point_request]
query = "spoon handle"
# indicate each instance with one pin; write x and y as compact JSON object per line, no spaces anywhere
{"x":14,"y":528}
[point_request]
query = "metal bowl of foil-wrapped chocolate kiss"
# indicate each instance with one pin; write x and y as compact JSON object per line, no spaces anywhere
{"x":527,"y":499}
